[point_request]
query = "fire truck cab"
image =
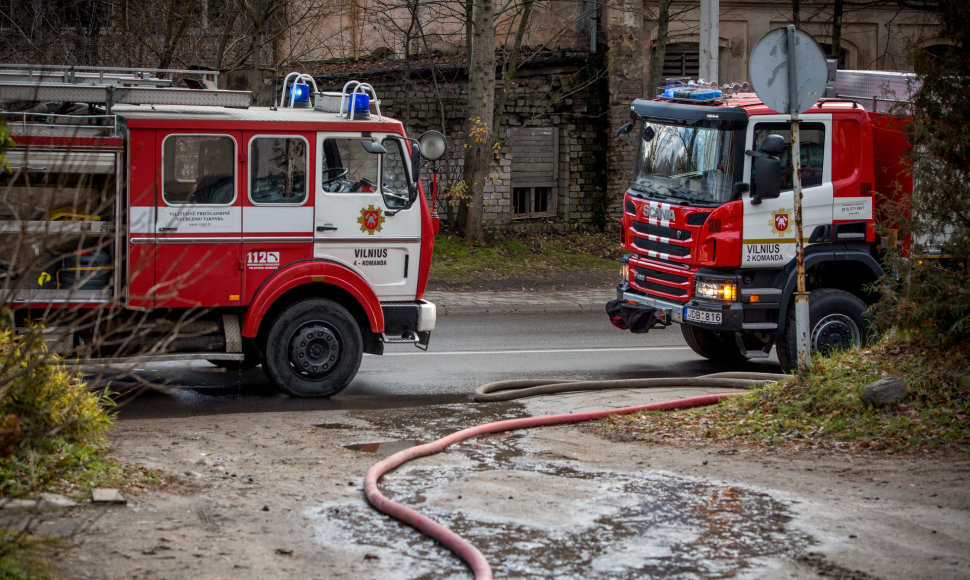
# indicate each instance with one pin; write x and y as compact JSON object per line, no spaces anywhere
{"x":708,"y":220}
{"x":296,"y":236}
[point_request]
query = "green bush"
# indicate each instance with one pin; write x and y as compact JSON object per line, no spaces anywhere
{"x":931,"y":302}
{"x":52,"y":427}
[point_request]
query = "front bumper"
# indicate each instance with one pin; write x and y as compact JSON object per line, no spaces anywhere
{"x":409,"y":322}
{"x":729,"y":316}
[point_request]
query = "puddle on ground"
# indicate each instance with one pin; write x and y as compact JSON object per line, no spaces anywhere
{"x":542,"y":517}
{"x":333,"y":426}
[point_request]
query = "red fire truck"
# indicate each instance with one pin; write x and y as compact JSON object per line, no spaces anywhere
{"x":709,"y":218}
{"x":186,"y":223}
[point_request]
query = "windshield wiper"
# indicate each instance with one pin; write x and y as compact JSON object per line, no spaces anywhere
{"x":639,"y":187}
{"x":682,"y":194}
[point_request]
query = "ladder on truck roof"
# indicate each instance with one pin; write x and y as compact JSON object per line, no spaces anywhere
{"x":109,"y":86}
{"x":881,"y":91}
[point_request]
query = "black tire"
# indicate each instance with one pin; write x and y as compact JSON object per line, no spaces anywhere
{"x":836,"y":321}
{"x":715,"y":346}
{"x":313,"y":349}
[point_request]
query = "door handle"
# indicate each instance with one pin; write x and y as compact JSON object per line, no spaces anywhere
{"x":327,"y":228}
{"x":167,"y":229}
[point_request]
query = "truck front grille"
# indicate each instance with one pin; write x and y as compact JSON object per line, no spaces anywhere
{"x":661,"y":283}
{"x":644,"y":245}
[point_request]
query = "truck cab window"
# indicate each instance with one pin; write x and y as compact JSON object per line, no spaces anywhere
{"x":347,"y":167}
{"x":394,"y":176}
{"x":812,"y":146}
{"x":198,"y":169}
{"x":278,"y":167}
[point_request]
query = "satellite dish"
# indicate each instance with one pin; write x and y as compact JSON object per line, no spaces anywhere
{"x":781,"y":81}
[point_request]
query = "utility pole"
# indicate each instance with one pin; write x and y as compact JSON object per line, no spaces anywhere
{"x":710,"y":16}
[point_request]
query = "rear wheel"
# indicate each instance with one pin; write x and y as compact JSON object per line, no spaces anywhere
{"x":836,"y":321}
{"x":313,"y":349}
{"x":716,"y":346}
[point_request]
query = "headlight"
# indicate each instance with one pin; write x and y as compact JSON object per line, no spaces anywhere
{"x":722,"y":290}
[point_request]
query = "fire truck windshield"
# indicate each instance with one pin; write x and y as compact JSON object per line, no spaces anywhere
{"x":693,"y":164}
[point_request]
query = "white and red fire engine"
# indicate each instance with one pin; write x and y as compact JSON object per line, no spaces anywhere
{"x":709,"y":218}
{"x":296,"y":236}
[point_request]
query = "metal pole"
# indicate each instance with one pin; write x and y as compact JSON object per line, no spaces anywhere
{"x":710,"y":17}
{"x":801,"y":296}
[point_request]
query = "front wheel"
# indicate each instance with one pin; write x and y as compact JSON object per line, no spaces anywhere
{"x":715,"y":346}
{"x":313,"y":348}
{"x":836,"y":321}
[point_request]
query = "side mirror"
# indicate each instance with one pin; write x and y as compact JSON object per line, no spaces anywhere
{"x":773,"y":145}
{"x":373,"y":147}
{"x":767,"y":179}
{"x":766,"y":173}
{"x":415,"y":160}
{"x":625,"y":129}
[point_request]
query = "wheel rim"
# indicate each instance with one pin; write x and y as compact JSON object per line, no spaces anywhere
{"x":835,"y":332}
{"x":314,"y":350}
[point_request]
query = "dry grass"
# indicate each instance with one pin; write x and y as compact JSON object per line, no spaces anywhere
{"x":823,"y":410}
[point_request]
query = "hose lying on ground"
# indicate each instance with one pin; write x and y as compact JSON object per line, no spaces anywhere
{"x":517,"y":389}
{"x":507,"y":390}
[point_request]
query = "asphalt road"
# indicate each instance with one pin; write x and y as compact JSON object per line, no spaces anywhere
{"x":465,"y":352}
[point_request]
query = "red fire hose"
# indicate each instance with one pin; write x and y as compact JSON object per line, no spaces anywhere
{"x":513,"y":389}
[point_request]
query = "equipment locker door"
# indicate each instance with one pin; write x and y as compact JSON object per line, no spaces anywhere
{"x":363,"y":217}
{"x":198,"y":225}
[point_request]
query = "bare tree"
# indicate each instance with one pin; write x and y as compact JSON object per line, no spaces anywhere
{"x":480,"y":112}
{"x":257,"y":36}
{"x":665,"y":15}
{"x":511,"y":63}
{"x":660,"y":48}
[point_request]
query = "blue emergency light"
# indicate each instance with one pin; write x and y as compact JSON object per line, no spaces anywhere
{"x":359,"y":106}
{"x":300,"y":95}
{"x":690,"y":90}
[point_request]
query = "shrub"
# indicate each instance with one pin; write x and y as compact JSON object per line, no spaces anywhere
{"x":932,"y":302}
{"x":51,"y":425}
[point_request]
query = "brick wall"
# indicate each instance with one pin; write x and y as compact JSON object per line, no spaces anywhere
{"x":565,"y":94}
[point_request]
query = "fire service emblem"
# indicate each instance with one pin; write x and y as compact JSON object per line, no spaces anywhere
{"x":779,"y":222}
{"x":370,"y":220}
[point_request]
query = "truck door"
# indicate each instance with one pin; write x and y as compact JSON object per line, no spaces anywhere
{"x":363,"y":214}
{"x":278,"y":211}
{"x":198,"y":225}
{"x":769,"y":227}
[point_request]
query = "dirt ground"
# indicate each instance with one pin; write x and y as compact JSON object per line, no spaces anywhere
{"x":269,"y":495}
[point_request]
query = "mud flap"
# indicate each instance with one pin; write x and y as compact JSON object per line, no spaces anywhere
{"x":635,"y":317}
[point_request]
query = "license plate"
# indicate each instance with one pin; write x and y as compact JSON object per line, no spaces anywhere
{"x":702,"y":316}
